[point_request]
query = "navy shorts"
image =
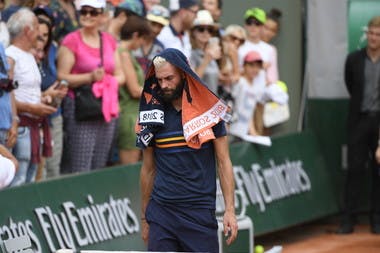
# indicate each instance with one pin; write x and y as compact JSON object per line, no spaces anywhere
{"x":181,"y":229}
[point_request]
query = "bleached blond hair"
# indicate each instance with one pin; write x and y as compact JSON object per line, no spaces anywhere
{"x":159,"y":61}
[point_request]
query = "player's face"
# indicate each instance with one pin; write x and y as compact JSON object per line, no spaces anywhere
{"x":170,"y":80}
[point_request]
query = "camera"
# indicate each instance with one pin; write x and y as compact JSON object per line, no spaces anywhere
{"x":8,"y":85}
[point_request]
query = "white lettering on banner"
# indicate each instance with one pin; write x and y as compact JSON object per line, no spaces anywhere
{"x":262,"y":186}
{"x":18,"y":229}
{"x":75,"y":226}
{"x":152,"y":116}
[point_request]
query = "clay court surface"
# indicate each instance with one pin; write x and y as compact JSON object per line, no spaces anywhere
{"x":319,"y":237}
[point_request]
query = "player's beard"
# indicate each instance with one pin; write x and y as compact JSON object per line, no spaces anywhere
{"x":169,"y":95}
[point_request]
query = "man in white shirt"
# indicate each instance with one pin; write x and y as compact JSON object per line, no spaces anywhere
{"x":175,"y":35}
{"x":23,"y":28}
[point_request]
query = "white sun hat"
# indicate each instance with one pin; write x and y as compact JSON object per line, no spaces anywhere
{"x":93,"y":3}
{"x":204,"y":18}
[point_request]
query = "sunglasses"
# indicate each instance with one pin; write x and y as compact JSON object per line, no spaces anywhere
{"x":202,"y":29}
{"x":93,"y":12}
{"x":253,"y":21}
{"x":241,"y":41}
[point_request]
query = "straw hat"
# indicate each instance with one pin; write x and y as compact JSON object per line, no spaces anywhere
{"x":158,"y":14}
{"x":204,"y":18}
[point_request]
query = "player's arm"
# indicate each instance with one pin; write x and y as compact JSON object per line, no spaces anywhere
{"x":148,"y":171}
{"x":227,"y":183}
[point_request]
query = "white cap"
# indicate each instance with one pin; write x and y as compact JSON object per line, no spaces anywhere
{"x":93,"y":3}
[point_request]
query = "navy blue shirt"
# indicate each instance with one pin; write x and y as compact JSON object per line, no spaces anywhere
{"x":184,"y":176}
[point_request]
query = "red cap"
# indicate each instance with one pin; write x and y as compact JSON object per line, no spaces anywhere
{"x":252,"y":56}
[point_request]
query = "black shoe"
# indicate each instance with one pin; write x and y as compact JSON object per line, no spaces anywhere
{"x":345,"y":228}
{"x":375,"y":228}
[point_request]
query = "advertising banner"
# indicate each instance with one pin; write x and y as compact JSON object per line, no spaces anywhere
{"x":276,"y":187}
{"x":98,"y":210}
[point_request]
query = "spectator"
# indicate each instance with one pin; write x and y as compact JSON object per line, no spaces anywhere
{"x":158,"y":17}
{"x":45,"y":13}
{"x":361,"y":74}
{"x":233,"y":38}
{"x":80,"y":58}
{"x":51,"y":87}
{"x":23,"y":28}
{"x":174,"y":35}
{"x":132,"y":36}
{"x":125,"y":9}
{"x":269,"y":32}
{"x":206,"y":50}
{"x":8,"y":112}
{"x":247,"y":93}
{"x":8,"y":167}
{"x":254,"y":21}
{"x":272,"y":25}
{"x":66,"y":18}
{"x":214,"y":7}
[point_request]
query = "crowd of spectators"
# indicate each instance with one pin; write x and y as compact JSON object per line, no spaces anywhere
{"x":51,"y":49}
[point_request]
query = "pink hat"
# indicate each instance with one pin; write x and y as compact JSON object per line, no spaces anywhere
{"x":252,"y":56}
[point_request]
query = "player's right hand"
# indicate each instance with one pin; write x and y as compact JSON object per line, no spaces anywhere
{"x":145,"y":230}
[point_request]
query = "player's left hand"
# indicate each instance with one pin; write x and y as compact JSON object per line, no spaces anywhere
{"x":230,"y":227}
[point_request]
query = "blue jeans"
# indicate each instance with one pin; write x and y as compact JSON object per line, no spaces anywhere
{"x":3,"y":136}
{"x":23,"y":152}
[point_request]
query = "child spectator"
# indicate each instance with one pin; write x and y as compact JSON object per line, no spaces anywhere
{"x":247,"y":93}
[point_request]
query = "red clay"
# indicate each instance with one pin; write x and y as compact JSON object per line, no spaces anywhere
{"x":319,"y":237}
